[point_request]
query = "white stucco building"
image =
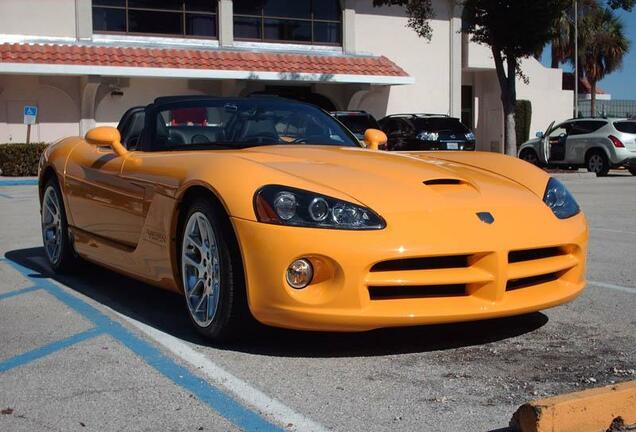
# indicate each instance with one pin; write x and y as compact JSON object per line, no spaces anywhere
{"x":84,"y":62}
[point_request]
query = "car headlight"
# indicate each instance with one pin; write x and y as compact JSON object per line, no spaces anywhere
{"x":560,"y":200}
{"x":428,"y":136}
{"x":470,"y":136}
{"x":282,"y":205}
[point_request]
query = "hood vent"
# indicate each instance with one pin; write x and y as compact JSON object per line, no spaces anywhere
{"x":443,"y":182}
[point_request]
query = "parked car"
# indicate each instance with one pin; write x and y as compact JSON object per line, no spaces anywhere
{"x":270,"y":209}
{"x":356,"y":121}
{"x":426,"y":132}
{"x":597,"y":144}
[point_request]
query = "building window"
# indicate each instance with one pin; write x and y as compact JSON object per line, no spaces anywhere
{"x":299,"y":21}
{"x":186,"y":18}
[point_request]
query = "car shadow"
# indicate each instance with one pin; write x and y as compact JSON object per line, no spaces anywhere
{"x":166,"y":312}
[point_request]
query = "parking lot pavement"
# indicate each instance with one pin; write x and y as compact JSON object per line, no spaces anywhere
{"x":98,"y":351}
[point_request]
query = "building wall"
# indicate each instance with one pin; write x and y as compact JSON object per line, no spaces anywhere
{"x":384,"y":31}
{"x":38,"y":17}
{"x":57,"y":99}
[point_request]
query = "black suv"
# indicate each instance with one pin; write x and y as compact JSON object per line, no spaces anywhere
{"x":426,"y":132}
{"x":356,"y":121}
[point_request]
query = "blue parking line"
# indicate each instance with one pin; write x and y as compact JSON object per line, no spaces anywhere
{"x":18,"y":182}
{"x":38,"y":353}
{"x":212,"y":396}
{"x":18,"y":292}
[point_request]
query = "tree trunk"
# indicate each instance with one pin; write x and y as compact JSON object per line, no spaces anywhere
{"x":593,"y":97}
{"x":555,"y":58}
{"x":508,"y":85}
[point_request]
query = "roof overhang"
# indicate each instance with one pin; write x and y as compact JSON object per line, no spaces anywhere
{"x":153,"y":72}
{"x":96,"y":60}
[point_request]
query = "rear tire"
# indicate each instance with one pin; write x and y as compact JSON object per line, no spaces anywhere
{"x":58,"y":247}
{"x":211,"y":274}
{"x":530,"y":156}
{"x":632,"y":170}
{"x":597,"y":163}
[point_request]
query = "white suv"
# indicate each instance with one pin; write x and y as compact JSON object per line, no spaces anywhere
{"x":597,"y":144}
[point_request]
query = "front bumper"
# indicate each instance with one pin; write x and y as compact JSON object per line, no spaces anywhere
{"x":342,"y":294}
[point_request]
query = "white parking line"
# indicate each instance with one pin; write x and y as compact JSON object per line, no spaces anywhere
{"x":612,"y":286}
{"x":241,"y":390}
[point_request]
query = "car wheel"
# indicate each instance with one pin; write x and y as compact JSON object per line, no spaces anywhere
{"x":55,"y":234}
{"x":211,"y":275}
{"x":632,"y":170}
{"x":530,"y":156}
{"x":597,"y":163}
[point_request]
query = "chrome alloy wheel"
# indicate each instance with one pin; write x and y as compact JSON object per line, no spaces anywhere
{"x":596,"y":163}
{"x":200,"y":269}
{"x":52,"y":225}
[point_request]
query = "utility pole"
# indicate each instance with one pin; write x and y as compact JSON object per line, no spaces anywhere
{"x":576,"y":58}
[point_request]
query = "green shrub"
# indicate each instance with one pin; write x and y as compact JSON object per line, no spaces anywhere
{"x":523,"y":117}
{"x":20,"y":159}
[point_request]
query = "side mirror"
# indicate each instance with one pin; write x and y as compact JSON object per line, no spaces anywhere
{"x":374,"y":138}
{"x":539,"y":134}
{"x":106,"y":136}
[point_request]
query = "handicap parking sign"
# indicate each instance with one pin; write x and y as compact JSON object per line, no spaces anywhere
{"x":30,"y":114}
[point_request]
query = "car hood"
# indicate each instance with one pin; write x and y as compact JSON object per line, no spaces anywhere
{"x":407,"y":183}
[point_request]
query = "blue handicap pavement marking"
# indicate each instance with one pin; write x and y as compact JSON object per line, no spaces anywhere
{"x":207,"y":393}
{"x":18,"y":182}
{"x":45,"y":350}
{"x":18,"y":292}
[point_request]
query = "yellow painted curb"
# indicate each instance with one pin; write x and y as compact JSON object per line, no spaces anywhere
{"x":586,"y":411}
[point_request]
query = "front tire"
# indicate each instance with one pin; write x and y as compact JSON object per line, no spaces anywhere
{"x":58,"y":247}
{"x":211,"y":274}
{"x":597,"y":163}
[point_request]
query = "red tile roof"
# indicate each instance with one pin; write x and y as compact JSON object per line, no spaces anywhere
{"x":197,"y":59}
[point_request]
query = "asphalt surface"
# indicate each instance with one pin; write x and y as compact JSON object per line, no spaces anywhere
{"x":100,"y":352}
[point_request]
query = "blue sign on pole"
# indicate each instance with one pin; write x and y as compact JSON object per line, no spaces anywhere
{"x":30,"y":114}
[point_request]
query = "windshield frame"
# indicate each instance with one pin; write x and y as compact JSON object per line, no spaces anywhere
{"x":149,"y":140}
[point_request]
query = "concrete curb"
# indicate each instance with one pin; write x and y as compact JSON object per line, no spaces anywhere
{"x":592,"y":410}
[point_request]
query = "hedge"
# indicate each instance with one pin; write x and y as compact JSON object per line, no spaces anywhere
{"x":20,"y":159}
{"x":523,"y":118}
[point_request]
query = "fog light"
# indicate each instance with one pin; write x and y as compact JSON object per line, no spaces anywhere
{"x":299,"y":274}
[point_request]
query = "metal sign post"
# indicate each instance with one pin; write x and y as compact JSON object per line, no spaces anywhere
{"x":30,"y":116}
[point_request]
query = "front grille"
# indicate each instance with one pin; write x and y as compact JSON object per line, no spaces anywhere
{"x":530,"y":281}
{"x":416,"y":291}
{"x":533,"y":254}
{"x":428,"y":263}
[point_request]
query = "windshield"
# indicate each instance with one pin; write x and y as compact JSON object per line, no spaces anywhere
{"x":440,"y":124}
{"x":358,"y":123}
{"x":245,"y":123}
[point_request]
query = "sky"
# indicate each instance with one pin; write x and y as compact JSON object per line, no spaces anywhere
{"x":622,"y":83}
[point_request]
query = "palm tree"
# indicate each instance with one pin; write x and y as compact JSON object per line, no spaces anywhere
{"x":602,"y":46}
{"x":562,"y":40}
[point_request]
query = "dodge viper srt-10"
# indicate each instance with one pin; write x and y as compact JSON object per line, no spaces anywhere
{"x":271,"y":209}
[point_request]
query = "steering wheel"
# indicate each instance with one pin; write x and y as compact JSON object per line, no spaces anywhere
{"x":199,"y":139}
{"x":262,"y":138}
{"x":312,"y":139}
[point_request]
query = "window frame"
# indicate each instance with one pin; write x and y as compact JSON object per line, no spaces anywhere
{"x":183,"y":12}
{"x":311,"y":20}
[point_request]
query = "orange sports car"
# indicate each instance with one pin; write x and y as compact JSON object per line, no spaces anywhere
{"x":271,"y":209}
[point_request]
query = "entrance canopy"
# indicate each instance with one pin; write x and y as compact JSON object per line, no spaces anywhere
{"x":92,"y":59}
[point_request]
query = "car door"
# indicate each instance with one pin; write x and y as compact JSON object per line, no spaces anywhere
{"x":101,"y":201}
{"x":558,"y":137}
{"x":544,"y":152}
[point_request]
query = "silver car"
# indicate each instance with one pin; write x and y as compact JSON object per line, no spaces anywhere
{"x":597,"y":144}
